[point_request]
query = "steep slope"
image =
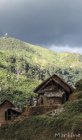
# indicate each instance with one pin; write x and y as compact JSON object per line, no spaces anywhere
{"x":65,"y":125}
{"x":23,"y":66}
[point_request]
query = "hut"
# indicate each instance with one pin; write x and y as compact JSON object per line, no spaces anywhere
{"x":52,"y":91}
{"x":8,"y":112}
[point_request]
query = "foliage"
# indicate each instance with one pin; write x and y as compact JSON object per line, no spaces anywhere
{"x":44,"y":127}
{"x":78,"y":85}
{"x":23,"y":66}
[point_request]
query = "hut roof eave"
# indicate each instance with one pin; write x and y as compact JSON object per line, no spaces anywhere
{"x":53,"y":77}
{"x":15,"y":110}
{"x":8,"y":102}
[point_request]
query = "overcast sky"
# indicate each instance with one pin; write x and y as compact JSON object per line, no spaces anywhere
{"x":55,"y":24}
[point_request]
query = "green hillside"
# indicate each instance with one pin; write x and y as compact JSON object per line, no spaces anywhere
{"x":65,"y":125}
{"x":23,"y":66}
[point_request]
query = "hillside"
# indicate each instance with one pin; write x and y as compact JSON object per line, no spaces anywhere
{"x":23,"y":66}
{"x":65,"y":125}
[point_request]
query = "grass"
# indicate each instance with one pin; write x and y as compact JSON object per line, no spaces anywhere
{"x":23,"y":66}
{"x":43,"y":127}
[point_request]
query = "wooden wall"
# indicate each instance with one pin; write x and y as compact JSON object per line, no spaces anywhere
{"x":51,"y":101}
{"x":3,"y":108}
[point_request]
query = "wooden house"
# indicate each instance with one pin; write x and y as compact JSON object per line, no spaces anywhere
{"x":52,"y":91}
{"x":8,"y":112}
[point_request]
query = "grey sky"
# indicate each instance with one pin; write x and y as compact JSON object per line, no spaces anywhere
{"x":44,"y":22}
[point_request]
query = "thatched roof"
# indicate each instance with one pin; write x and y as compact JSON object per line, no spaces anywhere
{"x":57,"y":80}
{"x":7,"y":101}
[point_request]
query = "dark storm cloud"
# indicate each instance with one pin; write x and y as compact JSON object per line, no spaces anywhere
{"x":44,"y":22}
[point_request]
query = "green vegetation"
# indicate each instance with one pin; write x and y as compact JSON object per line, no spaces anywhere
{"x":78,"y":85}
{"x":42,"y":127}
{"x":46,"y":128}
{"x":23,"y":66}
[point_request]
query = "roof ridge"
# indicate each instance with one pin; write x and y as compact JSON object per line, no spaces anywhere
{"x":54,"y":76}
